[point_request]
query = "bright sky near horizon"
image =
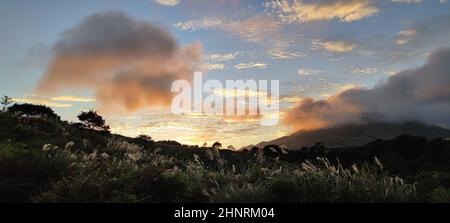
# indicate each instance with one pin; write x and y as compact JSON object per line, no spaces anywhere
{"x":315,"y":48}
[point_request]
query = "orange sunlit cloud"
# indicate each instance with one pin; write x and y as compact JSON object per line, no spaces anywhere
{"x":133,"y":71}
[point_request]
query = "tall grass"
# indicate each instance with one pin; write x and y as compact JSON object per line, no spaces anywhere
{"x":124,"y":172}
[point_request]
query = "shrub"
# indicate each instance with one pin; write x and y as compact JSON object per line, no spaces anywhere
{"x":31,"y":110}
{"x":26,"y":173}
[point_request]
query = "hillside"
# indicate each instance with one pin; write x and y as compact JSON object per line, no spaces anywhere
{"x":357,"y":135}
{"x":45,"y":159}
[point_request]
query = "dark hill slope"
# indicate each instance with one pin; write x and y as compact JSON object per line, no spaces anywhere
{"x":357,"y":135}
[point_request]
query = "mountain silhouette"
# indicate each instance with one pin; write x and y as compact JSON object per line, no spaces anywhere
{"x":356,"y":135}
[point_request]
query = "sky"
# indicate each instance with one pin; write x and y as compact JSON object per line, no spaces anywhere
{"x":337,"y":61}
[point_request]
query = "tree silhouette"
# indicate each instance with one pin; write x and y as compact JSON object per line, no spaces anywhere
{"x":91,"y":120}
{"x":5,"y":101}
{"x":272,"y":150}
{"x":143,"y":137}
{"x":32,"y":110}
{"x":217,"y":145}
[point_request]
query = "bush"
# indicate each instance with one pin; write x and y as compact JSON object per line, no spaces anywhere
{"x":31,"y":110}
{"x":26,"y":173}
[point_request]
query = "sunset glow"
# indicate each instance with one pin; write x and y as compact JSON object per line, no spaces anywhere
{"x":121,"y":58}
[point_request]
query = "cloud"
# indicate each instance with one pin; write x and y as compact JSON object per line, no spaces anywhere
{"x":282,"y":54}
{"x":200,"y":24}
{"x":250,"y":65}
{"x":254,"y":29}
{"x":435,"y":31}
{"x":364,"y":70}
{"x":405,"y":36}
{"x":127,"y":63}
{"x":390,"y":73}
{"x":345,"y":87}
{"x":334,"y":46}
{"x":69,"y":98}
{"x":225,"y":92}
{"x":290,"y":99}
{"x":420,"y":94}
{"x":343,"y":10}
{"x":41,"y":101}
{"x":168,"y":2}
{"x":308,"y":72}
{"x":415,"y":41}
{"x":409,"y":44}
{"x":216,"y":66}
{"x":410,"y":32}
{"x":220,"y":57}
{"x":407,"y":1}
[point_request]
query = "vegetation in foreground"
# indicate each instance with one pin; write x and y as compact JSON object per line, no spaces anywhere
{"x":44,"y":159}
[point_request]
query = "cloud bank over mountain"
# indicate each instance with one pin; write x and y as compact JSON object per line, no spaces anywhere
{"x":420,"y":94}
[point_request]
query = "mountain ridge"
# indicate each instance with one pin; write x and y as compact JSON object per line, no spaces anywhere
{"x":355,"y":135}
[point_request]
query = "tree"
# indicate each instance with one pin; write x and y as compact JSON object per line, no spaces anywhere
{"x":32,"y":110}
{"x":91,"y":120}
{"x":5,"y":101}
{"x":231,"y":147}
{"x":146,"y":138}
{"x":217,"y":145}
